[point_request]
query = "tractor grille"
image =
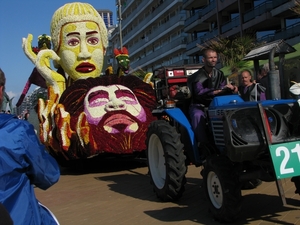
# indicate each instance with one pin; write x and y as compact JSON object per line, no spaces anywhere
{"x":236,"y":140}
{"x":218,"y":132}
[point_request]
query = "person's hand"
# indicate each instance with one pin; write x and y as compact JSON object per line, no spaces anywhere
{"x":233,"y":88}
{"x":216,"y":92}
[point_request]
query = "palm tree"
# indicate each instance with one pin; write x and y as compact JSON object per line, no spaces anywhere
{"x":232,"y":50}
{"x":296,"y":8}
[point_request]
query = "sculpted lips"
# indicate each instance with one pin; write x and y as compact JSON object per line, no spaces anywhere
{"x":118,"y":119}
{"x":85,"y":68}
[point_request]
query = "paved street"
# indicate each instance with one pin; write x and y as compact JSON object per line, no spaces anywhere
{"x":119,"y":192}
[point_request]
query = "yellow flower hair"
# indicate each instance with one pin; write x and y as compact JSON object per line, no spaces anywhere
{"x":76,"y":12}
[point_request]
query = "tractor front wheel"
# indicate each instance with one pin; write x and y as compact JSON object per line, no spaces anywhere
{"x":222,"y":188}
{"x":166,"y":160}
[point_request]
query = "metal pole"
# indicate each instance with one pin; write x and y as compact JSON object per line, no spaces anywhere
{"x":120,"y":19}
{"x":273,"y":78}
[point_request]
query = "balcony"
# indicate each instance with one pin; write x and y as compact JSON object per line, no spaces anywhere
{"x":193,"y":18}
{"x":173,"y":46}
{"x":157,"y":34}
{"x":167,"y":4}
{"x":288,"y":32}
{"x":135,"y":13}
{"x":194,"y":43}
{"x":190,"y":4}
{"x":210,"y":35}
{"x":277,"y":3}
{"x":258,"y":10}
{"x":230,"y":25}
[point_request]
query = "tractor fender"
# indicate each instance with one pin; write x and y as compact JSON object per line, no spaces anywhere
{"x":177,"y":115}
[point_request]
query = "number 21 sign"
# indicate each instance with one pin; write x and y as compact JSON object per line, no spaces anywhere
{"x":286,"y":159}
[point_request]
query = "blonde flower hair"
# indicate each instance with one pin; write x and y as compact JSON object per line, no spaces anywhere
{"x":76,"y":12}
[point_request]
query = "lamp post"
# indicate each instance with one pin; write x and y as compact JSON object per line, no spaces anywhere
{"x":119,"y":20}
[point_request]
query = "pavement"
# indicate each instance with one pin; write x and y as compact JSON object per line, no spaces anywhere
{"x":118,"y":191}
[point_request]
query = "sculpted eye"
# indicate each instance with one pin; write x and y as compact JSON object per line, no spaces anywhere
{"x":73,"y":42}
{"x":93,"y":41}
{"x":126,"y":96}
{"x":98,"y":98}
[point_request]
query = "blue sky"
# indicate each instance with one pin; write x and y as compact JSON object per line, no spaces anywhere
{"x":18,"y":18}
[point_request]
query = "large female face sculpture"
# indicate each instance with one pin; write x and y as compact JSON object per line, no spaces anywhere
{"x":81,"y":50}
{"x":79,"y":37}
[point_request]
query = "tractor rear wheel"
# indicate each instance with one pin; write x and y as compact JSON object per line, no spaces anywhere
{"x":166,"y":160}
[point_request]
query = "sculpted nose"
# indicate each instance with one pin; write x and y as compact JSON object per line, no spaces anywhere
{"x":115,"y":105}
{"x":84,"y":53}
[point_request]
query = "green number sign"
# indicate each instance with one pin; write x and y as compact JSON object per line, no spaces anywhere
{"x":286,"y":159}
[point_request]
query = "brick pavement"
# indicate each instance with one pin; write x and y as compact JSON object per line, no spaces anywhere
{"x":119,"y":192}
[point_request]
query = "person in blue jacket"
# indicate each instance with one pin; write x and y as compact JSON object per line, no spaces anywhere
{"x":24,"y":163}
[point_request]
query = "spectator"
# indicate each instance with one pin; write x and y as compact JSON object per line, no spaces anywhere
{"x":264,"y":74}
{"x":250,"y":91}
{"x":205,"y":84}
{"x":26,"y":116}
{"x":24,"y":163}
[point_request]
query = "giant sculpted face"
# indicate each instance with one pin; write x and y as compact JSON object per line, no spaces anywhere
{"x":81,"y":50}
{"x":115,"y":99}
{"x":109,"y":114}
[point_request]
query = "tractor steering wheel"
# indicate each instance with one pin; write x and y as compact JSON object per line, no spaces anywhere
{"x":224,"y":91}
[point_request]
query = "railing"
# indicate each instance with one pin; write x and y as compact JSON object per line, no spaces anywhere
{"x":160,"y":52}
{"x":210,"y":35}
{"x":208,"y":8}
{"x":231,"y":24}
{"x":194,"y":43}
{"x":156,"y":34}
{"x":142,"y":25}
{"x":258,"y":10}
{"x":193,"y":18}
{"x":135,"y":13}
{"x":288,"y":32}
{"x":277,"y":3}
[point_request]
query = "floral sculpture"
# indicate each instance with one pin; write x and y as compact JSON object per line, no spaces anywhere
{"x":87,"y":114}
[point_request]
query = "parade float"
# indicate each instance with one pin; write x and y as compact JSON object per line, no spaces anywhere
{"x":87,"y":114}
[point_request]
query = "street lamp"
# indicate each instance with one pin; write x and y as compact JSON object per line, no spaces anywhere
{"x":119,"y":13}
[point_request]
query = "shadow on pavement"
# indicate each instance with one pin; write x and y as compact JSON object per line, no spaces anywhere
{"x":193,"y":206}
{"x":102,"y":165}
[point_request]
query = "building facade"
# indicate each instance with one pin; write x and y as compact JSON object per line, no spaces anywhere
{"x":263,"y":19}
{"x":107,"y":16}
{"x":166,"y":32}
{"x":153,"y":32}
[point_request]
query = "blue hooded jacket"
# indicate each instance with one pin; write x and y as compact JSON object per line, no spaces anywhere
{"x":24,"y":162}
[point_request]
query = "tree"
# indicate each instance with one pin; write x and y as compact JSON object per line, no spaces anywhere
{"x":296,"y":8}
{"x":231,"y":50}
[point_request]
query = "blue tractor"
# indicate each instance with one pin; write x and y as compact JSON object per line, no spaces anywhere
{"x":241,"y":135}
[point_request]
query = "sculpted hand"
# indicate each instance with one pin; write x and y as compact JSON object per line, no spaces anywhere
{"x":27,"y":48}
{"x":54,"y":79}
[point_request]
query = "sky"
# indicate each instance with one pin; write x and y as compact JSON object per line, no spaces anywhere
{"x":17,"y":20}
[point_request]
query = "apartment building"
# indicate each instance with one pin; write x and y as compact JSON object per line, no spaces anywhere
{"x":265,"y":20}
{"x":107,"y":17}
{"x":166,"y":32}
{"x":153,"y":32}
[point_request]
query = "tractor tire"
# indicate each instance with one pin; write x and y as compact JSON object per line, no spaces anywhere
{"x":222,"y":189}
{"x":166,"y":161}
